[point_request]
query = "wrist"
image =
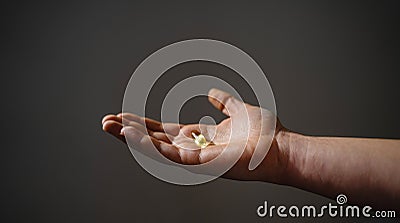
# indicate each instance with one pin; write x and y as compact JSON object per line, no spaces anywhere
{"x":294,"y":150}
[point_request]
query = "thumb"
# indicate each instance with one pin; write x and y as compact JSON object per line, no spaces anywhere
{"x":224,"y":102}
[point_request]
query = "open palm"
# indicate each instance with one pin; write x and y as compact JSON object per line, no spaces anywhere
{"x":247,"y":127}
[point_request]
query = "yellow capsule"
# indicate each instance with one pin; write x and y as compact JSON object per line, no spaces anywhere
{"x":200,"y":140}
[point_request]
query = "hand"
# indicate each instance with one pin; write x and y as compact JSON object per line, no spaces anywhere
{"x":174,"y":140}
{"x":324,"y":165}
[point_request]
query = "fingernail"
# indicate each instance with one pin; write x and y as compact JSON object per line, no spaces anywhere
{"x":124,"y":130}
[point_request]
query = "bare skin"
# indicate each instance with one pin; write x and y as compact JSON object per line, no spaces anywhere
{"x":366,"y":170}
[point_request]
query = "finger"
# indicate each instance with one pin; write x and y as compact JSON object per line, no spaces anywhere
{"x":224,"y":102}
{"x":139,"y":127}
{"x":158,"y":135}
{"x":172,"y":128}
{"x":111,"y":117}
{"x":150,"y":123}
{"x":145,"y":143}
{"x":153,"y":125}
{"x":208,"y":131}
{"x":114,"y":128}
{"x":162,"y":136}
{"x":170,"y":152}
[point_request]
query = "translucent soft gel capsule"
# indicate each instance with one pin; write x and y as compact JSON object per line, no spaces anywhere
{"x":200,"y":140}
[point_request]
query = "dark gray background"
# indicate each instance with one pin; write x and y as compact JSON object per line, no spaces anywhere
{"x":333,"y":66}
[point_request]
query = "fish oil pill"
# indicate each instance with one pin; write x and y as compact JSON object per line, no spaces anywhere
{"x":200,"y":140}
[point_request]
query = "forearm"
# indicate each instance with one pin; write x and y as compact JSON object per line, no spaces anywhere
{"x":366,"y":170}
